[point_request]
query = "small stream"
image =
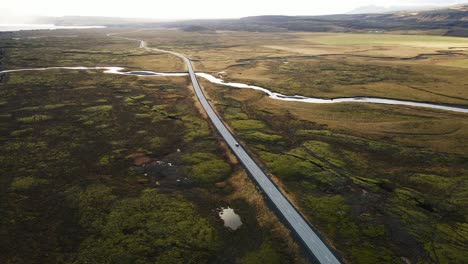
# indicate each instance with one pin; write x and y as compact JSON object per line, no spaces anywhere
{"x":273,"y":95}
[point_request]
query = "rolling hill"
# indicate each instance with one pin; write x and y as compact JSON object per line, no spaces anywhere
{"x":450,"y":21}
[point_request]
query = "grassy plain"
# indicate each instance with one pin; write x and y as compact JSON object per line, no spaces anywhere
{"x":387,"y":39}
{"x":100,"y":168}
{"x":83,"y":48}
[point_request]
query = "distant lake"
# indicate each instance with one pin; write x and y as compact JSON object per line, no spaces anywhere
{"x":18,"y":27}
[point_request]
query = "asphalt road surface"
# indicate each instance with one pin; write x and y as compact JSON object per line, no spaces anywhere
{"x":309,"y":238}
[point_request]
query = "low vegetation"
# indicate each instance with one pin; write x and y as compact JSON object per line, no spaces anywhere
{"x":378,"y":199}
{"x":147,"y":229}
{"x":206,"y":167}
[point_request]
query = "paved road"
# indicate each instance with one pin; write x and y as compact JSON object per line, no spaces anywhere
{"x":302,"y":229}
{"x":309,"y":238}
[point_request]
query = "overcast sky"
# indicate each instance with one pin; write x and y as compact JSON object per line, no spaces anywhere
{"x":173,"y":9}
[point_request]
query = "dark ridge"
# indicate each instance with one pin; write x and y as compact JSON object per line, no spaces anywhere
{"x":452,"y":21}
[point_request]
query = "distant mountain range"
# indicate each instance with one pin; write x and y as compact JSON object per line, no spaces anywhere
{"x":450,"y":21}
{"x":373,"y":9}
{"x":9,"y":18}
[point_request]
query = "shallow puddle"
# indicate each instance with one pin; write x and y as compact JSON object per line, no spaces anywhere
{"x":230,"y":218}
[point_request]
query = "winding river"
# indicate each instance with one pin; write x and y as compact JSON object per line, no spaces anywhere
{"x":273,"y":95}
{"x":112,"y":70}
{"x":303,"y":99}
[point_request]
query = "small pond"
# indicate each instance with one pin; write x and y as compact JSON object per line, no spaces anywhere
{"x":230,"y":218}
